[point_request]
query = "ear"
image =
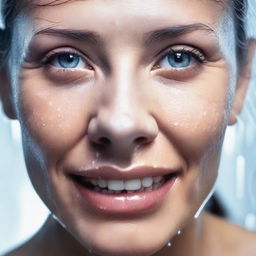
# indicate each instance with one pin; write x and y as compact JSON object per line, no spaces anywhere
{"x":243,"y":82}
{"x":5,"y":95}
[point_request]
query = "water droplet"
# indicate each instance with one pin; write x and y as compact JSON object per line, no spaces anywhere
{"x":179,"y":232}
{"x":169,"y":244}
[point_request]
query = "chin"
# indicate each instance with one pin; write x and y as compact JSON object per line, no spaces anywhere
{"x":110,"y":242}
{"x":125,"y":248}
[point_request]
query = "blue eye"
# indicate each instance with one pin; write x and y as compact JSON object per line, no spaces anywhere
{"x":179,"y":59}
{"x":68,"y":61}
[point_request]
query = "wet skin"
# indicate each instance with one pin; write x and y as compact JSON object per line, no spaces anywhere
{"x":126,"y":84}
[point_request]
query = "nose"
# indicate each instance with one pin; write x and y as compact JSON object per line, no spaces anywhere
{"x":122,"y":122}
{"x":121,"y":131}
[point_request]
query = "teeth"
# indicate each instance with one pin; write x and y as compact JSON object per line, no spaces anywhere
{"x":116,"y":184}
{"x":132,"y":184}
{"x":147,"y":182}
{"x":97,"y":189}
{"x":104,"y":191}
{"x":102,"y":183}
{"x":157,"y":179}
{"x":156,"y":185}
{"x":141,"y":189}
{"x":94,"y":182}
{"x":149,"y":189}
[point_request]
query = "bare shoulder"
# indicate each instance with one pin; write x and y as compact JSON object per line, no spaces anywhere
{"x":234,"y":240}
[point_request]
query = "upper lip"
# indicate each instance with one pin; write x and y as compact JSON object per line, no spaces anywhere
{"x":114,"y":173}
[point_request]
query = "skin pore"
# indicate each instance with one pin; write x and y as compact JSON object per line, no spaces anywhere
{"x":128,"y":84}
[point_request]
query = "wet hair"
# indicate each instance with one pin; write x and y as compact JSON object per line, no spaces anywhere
{"x":13,"y":7}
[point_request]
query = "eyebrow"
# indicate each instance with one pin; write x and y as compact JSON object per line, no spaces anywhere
{"x":176,"y":32}
{"x":83,"y":35}
{"x":149,"y":38}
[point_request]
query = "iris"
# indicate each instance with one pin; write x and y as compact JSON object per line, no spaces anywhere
{"x":179,"y":59}
{"x":68,"y":60}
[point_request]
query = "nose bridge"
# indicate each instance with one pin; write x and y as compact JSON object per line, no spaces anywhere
{"x":123,"y":120}
{"x":125,"y":84}
{"x":123,"y":104}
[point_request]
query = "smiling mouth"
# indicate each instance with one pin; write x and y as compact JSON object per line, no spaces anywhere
{"x":115,"y":186}
{"x":112,"y":190}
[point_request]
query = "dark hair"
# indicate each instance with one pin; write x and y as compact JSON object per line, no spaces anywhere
{"x":13,"y":7}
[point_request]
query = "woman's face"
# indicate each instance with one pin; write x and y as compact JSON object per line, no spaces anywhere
{"x":114,"y":93}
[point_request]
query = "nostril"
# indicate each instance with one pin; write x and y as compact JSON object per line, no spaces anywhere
{"x":104,"y":141}
{"x":141,"y":140}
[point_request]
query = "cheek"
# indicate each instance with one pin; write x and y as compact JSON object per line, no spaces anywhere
{"x":196,"y":125}
{"x":54,"y":117}
{"x":194,"y":116}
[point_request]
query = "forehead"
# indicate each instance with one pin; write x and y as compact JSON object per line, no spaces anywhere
{"x":120,"y":23}
{"x":148,"y":10}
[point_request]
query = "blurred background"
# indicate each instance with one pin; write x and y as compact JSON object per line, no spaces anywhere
{"x":22,"y":212}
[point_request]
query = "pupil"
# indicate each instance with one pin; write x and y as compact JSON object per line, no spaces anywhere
{"x":70,"y":58}
{"x":179,"y":57}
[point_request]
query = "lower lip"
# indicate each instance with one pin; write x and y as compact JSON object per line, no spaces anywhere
{"x":125,"y":203}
